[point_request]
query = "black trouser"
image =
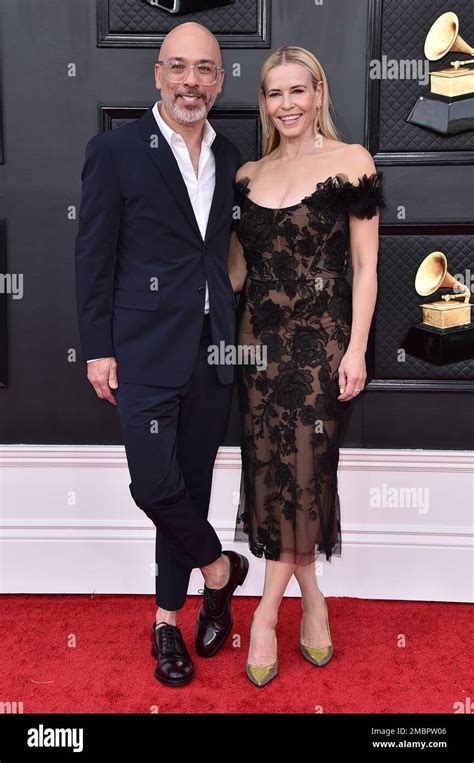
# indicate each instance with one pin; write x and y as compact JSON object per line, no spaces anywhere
{"x":171,"y":437}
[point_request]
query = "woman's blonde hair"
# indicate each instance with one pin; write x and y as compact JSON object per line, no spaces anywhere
{"x":323,"y":123}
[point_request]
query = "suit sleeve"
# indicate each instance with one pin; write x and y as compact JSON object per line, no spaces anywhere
{"x":95,"y":249}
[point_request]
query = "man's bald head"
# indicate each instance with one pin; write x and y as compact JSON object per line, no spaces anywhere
{"x":191,"y":36}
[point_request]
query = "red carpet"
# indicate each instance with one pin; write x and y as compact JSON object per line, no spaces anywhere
{"x":110,"y":669}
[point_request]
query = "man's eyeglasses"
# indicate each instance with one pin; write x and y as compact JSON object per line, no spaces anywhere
{"x":177,"y":71}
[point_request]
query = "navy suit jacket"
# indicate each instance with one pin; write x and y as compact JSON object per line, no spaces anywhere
{"x":141,"y":262}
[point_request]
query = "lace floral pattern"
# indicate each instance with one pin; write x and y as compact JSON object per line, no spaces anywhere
{"x":296,"y":306}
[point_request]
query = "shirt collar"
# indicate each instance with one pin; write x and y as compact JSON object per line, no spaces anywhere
{"x":208,"y":134}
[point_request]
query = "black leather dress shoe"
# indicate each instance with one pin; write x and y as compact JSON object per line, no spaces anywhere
{"x":174,"y":664}
{"x":215,"y":621}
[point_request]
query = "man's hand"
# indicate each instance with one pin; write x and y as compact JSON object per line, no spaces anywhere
{"x":102,"y":374}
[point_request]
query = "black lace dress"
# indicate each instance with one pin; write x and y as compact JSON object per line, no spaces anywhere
{"x":295,"y":306}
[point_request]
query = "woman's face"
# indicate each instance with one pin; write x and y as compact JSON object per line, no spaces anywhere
{"x":290,"y":99}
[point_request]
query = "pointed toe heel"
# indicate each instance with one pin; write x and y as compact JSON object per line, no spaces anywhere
{"x":318,"y":655}
{"x":261,"y":674}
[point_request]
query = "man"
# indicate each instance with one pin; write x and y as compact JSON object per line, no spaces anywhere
{"x":152,"y":293}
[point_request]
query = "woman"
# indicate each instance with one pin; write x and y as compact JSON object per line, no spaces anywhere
{"x":299,"y":206}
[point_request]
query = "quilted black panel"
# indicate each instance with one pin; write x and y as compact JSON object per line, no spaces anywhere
{"x":3,"y":310}
{"x":398,"y":303}
{"x":244,"y":132}
{"x":246,"y":23}
{"x":405,"y":25}
{"x":241,"y":126}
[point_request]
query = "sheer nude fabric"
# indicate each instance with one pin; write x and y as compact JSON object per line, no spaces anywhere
{"x":295,"y":305}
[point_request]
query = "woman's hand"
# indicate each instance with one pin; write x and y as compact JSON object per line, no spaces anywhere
{"x":352,"y":374}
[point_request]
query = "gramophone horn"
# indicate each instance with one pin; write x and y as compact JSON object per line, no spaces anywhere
{"x":443,"y":38}
{"x":433,"y":274}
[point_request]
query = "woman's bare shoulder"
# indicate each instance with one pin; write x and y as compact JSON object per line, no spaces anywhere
{"x":357,"y":161}
{"x":247,"y":170}
{"x":251,"y":169}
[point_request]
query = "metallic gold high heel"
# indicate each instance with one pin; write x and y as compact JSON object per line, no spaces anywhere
{"x":261,"y":674}
{"x":317,"y":655}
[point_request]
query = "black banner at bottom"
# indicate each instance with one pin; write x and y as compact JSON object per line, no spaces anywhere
{"x":86,"y":737}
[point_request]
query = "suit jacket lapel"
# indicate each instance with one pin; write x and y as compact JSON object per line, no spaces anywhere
{"x":161,"y":154}
{"x":218,"y":196}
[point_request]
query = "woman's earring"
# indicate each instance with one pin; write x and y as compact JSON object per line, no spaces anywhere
{"x":318,"y":138}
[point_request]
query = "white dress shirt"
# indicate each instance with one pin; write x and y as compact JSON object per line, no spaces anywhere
{"x":200,"y":188}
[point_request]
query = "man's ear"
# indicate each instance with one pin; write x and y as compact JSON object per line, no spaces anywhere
{"x":158,"y":76}
{"x":222,"y":75}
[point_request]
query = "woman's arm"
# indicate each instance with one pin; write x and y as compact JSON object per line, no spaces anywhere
{"x":236,"y":266}
{"x":364,"y":243}
{"x":364,"y":250}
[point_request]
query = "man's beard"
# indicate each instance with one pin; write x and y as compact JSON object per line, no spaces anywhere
{"x":186,"y":115}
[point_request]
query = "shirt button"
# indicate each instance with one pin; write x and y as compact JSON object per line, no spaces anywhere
{"x":202,"y":290}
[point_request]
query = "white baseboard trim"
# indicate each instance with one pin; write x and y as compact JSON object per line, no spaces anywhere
{"x":68,"y":524}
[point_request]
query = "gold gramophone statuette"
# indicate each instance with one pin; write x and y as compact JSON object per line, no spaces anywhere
{"x":444,"y":38}
{"x":448,"y":107}
{"x":431,"y":275}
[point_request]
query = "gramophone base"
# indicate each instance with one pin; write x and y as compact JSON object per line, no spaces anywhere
{"x":442,"y":114}
{"x":440,"y":346}
{"x":188,"y":6}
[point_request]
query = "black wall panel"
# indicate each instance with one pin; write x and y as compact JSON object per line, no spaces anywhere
{"x":74,"y":67}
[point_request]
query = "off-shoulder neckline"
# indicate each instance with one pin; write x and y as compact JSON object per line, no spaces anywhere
{"x":319,"y":187}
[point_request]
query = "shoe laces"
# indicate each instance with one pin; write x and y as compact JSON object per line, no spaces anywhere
{"x":208,"y":599}
{"x":169,"y":636}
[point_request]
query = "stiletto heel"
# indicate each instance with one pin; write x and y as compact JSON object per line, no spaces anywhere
{"x":317,"y":655}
